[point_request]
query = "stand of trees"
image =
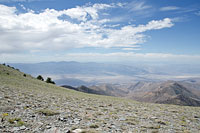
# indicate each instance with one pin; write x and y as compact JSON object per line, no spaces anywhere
{"x":48,"y":80}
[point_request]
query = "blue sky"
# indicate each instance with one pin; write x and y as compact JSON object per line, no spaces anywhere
{"x":100,"y":30}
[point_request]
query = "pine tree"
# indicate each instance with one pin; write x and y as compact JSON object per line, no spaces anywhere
{"x":50,"y":81}
{"x":40,"y":78}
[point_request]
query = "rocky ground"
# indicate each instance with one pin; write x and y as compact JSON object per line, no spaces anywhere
{"x":32,"y":106}
{"x":27,"y":111}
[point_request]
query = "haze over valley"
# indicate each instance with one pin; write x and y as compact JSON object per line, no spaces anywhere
{"x":91,"y":73}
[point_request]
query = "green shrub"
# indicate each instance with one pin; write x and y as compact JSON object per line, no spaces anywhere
{"x":48,"y":112}
{"x":18,"y":121}
{"x":94,"y":126}
{"x":50,"y":81}
{"x":39,"y":77}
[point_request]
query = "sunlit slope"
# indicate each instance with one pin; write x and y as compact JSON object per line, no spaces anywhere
{"x":30,"y":105}
{"x":13,"y":78}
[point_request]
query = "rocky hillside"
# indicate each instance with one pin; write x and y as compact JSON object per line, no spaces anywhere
{"x":169,"y":92}
{"x":29,"y":105}
{"x":86,"y":90}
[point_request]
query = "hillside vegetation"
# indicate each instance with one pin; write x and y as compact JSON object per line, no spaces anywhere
{"x":30,"y":105}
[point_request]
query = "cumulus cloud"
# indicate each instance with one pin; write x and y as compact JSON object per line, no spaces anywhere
{"x":169,"y":8}
{"x":46,"y":31}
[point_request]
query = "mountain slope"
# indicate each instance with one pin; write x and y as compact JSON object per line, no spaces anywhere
{"x":86,"y":90}
{"x":30,"y":105}
{"x":168,"y":93}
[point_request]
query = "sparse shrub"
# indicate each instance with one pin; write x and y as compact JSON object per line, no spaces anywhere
{"x":13,"y":120}
{"x":50,"y":81}
{"x":130,"y":122}
{"x":39,"y":77}
{"x":24,"y":75}
{"x":16,"y":121}
{"x":47,"y":112}
{"x":20,"y":123}
{"x":5,"y":114}
{"x":3,"y":117}
{"x":94,"y":126}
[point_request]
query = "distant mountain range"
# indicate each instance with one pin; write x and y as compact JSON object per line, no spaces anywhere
{"x":169,"y":92}
{"x":91,"y":73}
{"x":90,"y":68}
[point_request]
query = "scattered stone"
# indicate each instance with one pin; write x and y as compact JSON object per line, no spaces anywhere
{"x":67,"y":131}
{"x":48,"y":127}
{"x":15,"y":129}
{"x":122,"y":119}
{"x":162,"y":123}
{"x":77,"y":131}
{"x":77,"y":121}
{"x":22,"y":128}
{"x":40,"y":123}
{"x":154,"y":117}
{"x":53,"y":130}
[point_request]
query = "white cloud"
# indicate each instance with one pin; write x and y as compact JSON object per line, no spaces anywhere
{"x":169,"y":8}
{"x":138,"y":6}
{"x":130,"y":49}
{"x":81,"y":13}
{"x":28,"y":32}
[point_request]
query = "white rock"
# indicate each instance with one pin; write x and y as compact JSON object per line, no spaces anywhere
{"x":22,"y":128}
{"x":52,"y":130}
{"x":77,"y":131}
{"x":15,"y":129}
{"x":48,"y":127}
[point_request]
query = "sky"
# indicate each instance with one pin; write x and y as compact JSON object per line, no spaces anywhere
{"x":100,"y":31}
